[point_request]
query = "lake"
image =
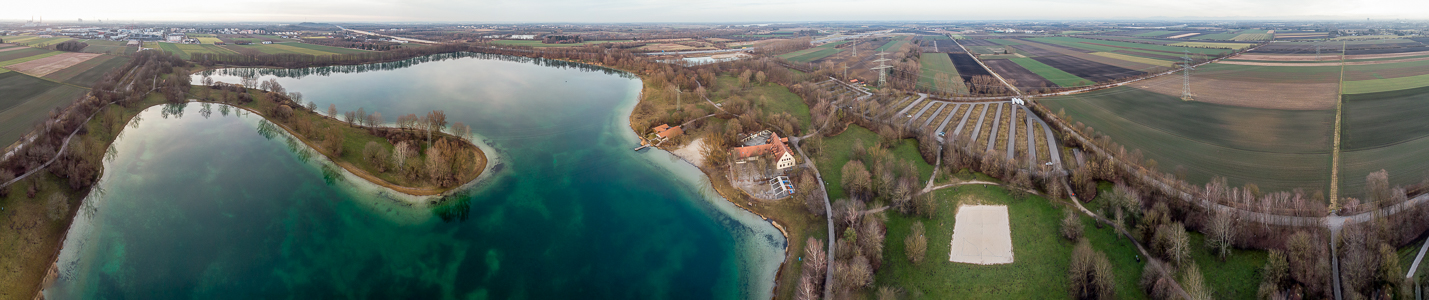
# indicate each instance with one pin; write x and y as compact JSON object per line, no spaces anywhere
{"x":205,"y":201}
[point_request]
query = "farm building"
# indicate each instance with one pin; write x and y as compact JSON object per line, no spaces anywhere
{"x":763,"y":144}
{"x":664,"y":131}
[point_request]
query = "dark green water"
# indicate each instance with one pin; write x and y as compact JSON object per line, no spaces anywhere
{"x":199,"y":203}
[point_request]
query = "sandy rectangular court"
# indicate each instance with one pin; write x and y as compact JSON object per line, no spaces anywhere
{"x":982,"y":235}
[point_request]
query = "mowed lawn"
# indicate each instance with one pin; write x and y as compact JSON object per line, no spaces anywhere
{"x":1041,"y":256}
{"x":1275,"y":149}
{"x":1061,"y":78}
{"x":934,"y":64}
{"x":27,"y":100}
{"x":838,"y":150}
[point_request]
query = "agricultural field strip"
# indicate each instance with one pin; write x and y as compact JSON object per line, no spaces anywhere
{"x":1155,"y":33}
{"x":934,"y":63}
{"x":27,"y":58}
{"x":1276,"y":171}
{"x":300,"y":50}
{"x":209,"y":40}
{"x":1112,"y":46}
{"x":1235,"y":46}
{"x":1057,"y":76}
{"x":76,"y":69}
{"x":1183,"y":35}
{"x":45,"y":66}
{"x":1149,"y":61}
{"x":1385,"y":85}
{"x":1325,"y":64}
{"x":329,"y":49}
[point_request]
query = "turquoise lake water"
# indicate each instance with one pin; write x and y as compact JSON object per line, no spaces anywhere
{"x":202,"y":201}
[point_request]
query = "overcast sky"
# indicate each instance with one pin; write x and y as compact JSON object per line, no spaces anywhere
{"x":504,"y":11}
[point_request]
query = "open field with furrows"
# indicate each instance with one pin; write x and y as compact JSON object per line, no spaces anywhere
{"x":108,"y":47}
{"x":1282,"y":74}
{"x":1108,"y":46}
{"x":94,"y":74}
{"x":1158,"y":61}
{"x":539,"y":44}
{"x":76,"y":69}
{"x":1156,"y":33}
{"x":1270,"y":95}
{"x":1233,"y":46}
{"x":1040,"y":256}
{"x":1384,"y":131}
{"x":1275,"y":149}
{"x":967,"y":66}
{"x":1086,"y":69}
{"x":28,"y":100}
{"x":1040,"y":50}
{"x":1024,"y":79}
{"x":44,"y":66}
{"x":22,"y":52}
{"x":15,"y":61}
{"x":933,"y":64}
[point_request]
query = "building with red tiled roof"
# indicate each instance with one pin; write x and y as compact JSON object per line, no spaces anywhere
{"x":666,"y":132}
{"x":776,"y":147}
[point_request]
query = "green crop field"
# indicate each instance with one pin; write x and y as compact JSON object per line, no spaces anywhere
{"x":327,"y":49}
{"x":1384,"y":130}
{"x":1235,"y":46}
{"x":1280,"y":74}
{"x":7,"y":63}
{"x":1252,"y":37}
{"x":1155,"y":33}
{"x":92,"y":75}
{"x":1385,"y":85}
{"x":22,"y":53}
{"x":1040,"y":256}
{"x":538,"y":44}
{"x":1275,"y":149}
{"x":173,"y":48}
{"x":1004,"y":42}
{"x":28,"y":100}
{"x":209,"y":40}
{"x":934,"y":64}
{"x":815,"y":53}
{"x":1217,"y":36}
{"x":1061,"y":78}
{"x":894,"y":44}
{"x":1088,"y":44}
{"x":1132,"y":58}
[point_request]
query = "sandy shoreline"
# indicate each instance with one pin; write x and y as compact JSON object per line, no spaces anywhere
{"x":692,"y":152}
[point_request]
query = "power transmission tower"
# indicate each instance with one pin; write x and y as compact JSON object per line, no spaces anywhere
{"x":882,"y":68}
{"x":1186,"y":75}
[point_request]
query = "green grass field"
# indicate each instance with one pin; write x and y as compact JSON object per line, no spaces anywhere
{"x":1004,"y":42}
{"x":1217,"y":36}
{"x":1275,"y":149}
{"x":780,"y":99}
{"x":933,"y":64}
{"x":1061,"y":78}
{"x":894,"y":44}
{"x":22,"y":53}
{"x":209,"y":40}
{"x":839,"y":148}
{"x":1041,"y":256}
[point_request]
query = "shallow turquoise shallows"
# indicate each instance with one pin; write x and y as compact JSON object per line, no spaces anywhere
{"x":203,"y":201}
